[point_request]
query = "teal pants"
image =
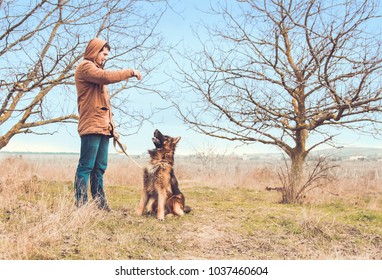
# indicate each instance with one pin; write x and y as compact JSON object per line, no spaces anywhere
{"x":92,"y":165}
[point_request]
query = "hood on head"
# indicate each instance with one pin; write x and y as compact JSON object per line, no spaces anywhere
{"x":94,"y":47}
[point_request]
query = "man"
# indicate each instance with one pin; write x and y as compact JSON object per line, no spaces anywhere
{"x":95,"y":125}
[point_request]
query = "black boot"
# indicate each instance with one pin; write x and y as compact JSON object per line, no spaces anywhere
{"x":102,"y":203}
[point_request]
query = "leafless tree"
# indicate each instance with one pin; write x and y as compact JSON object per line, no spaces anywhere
{"x":318,"y":175}
{"x":285,"y":73}
{"x":42,"y":41}
{"x":208,"y":158}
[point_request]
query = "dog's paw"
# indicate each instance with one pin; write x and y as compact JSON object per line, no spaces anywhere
{"x":139,"y":212}
{"x":160,"y":218}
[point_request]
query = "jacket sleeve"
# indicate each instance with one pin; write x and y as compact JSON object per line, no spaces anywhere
{"x":91,"y":73}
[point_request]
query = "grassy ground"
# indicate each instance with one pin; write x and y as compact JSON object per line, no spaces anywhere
{"x":39,"y":221}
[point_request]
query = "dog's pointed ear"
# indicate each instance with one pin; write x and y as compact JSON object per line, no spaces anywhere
{"x":176,"y":140}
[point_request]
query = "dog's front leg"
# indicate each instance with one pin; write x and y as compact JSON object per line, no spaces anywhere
{"x":161,"y":204}
{"x":142,"y":203}
{"x":144,"y":195}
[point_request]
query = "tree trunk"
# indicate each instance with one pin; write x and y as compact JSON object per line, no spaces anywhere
{"x":296,"y":174}
{"x":296,"y":171}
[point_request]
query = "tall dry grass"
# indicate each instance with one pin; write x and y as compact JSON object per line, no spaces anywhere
{"x":37,"y":209}
{"x":33,"y":218}
{"x":351,"y":177}
{"x":216,"y":172}
{"x":37,"y":199}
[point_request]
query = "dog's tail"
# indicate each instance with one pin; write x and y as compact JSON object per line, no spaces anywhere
{"x":187,"y":209}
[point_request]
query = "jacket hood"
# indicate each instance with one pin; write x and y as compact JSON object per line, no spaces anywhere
{"x":93,"y":48}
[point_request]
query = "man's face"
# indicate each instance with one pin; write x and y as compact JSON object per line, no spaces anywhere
{"x":102,"y":56}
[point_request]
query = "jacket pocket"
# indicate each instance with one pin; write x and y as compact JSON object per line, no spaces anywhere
{"x":102,"y":117}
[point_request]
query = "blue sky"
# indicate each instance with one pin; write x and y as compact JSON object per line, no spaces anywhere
{"x":175,"y":28}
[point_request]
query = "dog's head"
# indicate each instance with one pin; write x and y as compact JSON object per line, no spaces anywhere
{"x":164,"y":141}
{"x":164,"y":146}
{"x":161,"y":140}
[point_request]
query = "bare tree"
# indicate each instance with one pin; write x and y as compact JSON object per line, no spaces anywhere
{"x":318,"y":175}
{"x":286,"y":73}
{"x":42,"y":41}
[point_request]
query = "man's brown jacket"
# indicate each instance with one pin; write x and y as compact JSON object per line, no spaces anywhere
{"x":91,"y":79}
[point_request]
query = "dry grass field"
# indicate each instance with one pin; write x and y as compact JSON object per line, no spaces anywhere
{"x":233,"y":216}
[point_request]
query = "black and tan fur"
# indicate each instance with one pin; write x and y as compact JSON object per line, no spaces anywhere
{"x":160,"y":193}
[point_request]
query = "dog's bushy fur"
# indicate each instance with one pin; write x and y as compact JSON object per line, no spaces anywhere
{"x":160,"y":193}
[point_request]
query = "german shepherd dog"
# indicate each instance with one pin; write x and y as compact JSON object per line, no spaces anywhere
{"x":160,"y":193}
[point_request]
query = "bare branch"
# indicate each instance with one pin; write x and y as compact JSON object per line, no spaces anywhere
{"x":282,"y":72}
{"x":42,"y":42}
